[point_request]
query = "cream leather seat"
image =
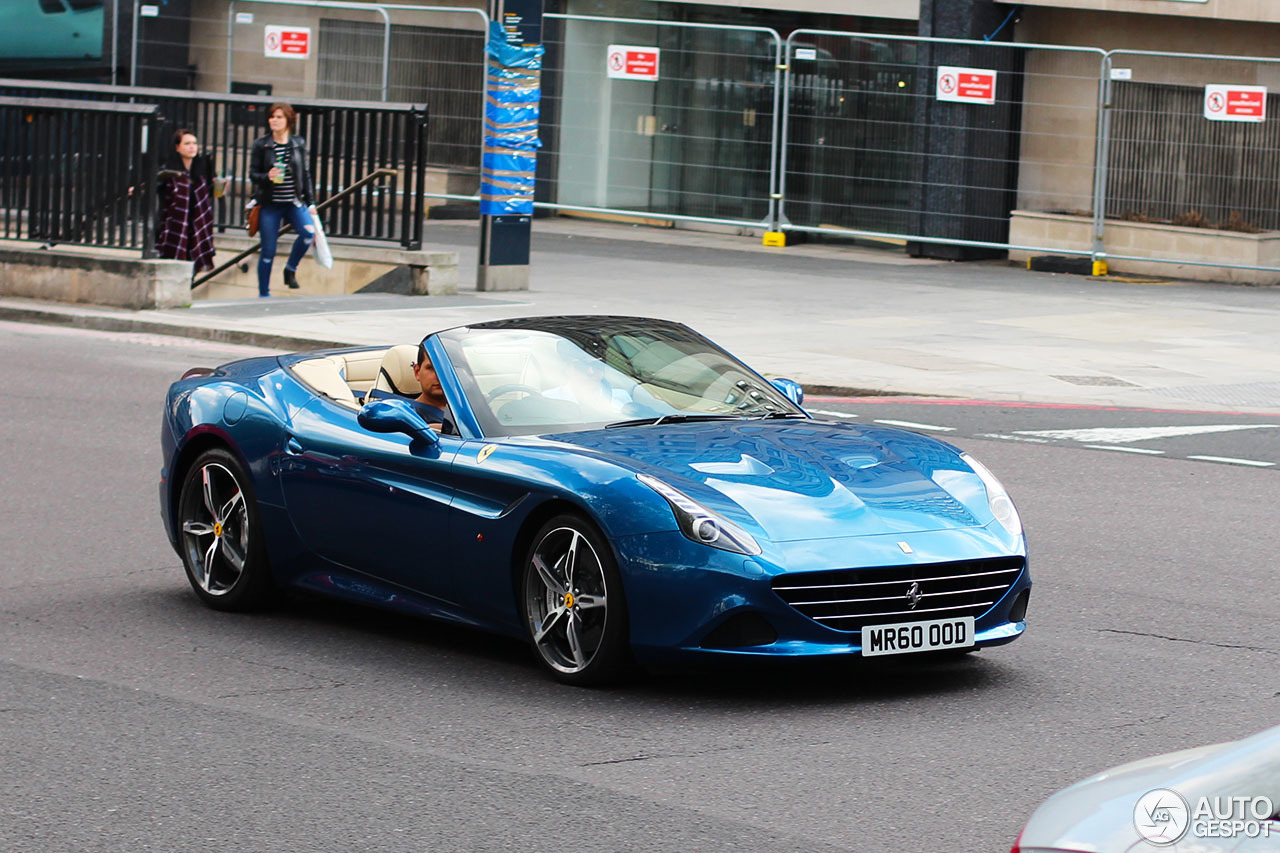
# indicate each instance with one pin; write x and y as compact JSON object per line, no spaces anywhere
{"x":395,"y":373}
{"x":324,"y":374}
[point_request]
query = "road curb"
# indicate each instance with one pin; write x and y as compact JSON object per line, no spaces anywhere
{"x":106,"y":323}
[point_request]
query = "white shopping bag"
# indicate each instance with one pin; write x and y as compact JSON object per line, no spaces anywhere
{"x":323,"y":256}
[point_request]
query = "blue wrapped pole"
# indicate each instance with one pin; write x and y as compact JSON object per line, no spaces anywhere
{"x":513,"y":89}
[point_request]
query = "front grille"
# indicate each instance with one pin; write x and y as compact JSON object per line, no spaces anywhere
{"x":847,"y":599}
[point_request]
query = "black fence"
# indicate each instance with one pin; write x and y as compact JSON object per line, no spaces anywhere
{"x":72,"y":172}
{"x":346,"y":141}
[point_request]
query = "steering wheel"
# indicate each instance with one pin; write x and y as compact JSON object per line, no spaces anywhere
{"x":511,"y":386}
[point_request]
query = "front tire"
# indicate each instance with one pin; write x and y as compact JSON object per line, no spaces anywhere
{"x":221,"y":535}
{"x":574,"y":610}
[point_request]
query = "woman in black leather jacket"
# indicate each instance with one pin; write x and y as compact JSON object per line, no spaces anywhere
{"x":283,"y":190}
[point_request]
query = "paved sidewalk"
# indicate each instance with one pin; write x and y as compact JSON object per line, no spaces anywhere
{"x":845,"y":318}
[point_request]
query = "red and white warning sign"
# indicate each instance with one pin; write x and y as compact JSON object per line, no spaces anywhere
{"x":629,"y":62}
{"x":287,"y":42}
{"x":966,"y":85}
{"x":1235,"y":103}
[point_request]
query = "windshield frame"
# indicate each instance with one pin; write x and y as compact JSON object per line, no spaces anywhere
{"x":605,"y":338}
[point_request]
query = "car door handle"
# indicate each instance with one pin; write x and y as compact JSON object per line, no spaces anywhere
{"x":293,"y":446}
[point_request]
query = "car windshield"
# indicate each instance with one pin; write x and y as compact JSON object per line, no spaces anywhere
{"x":570,"y":374}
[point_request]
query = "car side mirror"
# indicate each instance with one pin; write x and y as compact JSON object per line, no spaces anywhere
{"x":396,"y":416}
{"x":790,"y":389}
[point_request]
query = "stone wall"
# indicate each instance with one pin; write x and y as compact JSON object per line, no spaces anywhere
{"x":75,"y":276}
{"x":1204,"y":246}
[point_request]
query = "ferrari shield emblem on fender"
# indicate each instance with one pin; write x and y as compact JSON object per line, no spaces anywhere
{"x":486,"y":452}
{"x":906,"y":549}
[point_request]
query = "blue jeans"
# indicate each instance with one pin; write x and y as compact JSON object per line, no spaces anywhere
{"x":269,"y":230}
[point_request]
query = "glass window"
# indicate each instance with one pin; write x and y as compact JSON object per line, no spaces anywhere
{"x":569,"y":374}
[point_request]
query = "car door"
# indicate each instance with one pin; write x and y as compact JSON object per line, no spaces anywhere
{"x":374,"y":502}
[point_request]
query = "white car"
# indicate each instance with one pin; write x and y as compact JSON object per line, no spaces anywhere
{"x":1211,"y":799}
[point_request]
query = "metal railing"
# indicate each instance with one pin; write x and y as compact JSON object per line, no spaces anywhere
{"x":287,"y":227}
{"x":80,"y":173}
{"x":345,"y":140}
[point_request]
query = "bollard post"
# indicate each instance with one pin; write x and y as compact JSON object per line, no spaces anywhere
{"x":512,"y":92}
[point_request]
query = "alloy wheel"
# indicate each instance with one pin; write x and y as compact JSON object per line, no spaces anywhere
{"x":215,"y":528}
{"x":566,"y":600}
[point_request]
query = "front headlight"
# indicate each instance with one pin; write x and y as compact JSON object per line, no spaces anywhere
{"x":997,"y":498}
{"x":701,"y":524}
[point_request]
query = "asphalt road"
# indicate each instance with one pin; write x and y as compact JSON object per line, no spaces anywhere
{"x":131,"y":718}
{"x":1219,"y":438}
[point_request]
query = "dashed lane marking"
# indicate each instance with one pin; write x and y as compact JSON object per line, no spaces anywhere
{"x":1144,"y":450}
{"x":1233,"y":461}
{"x":830,"y":413}
{"x":914,"y":425}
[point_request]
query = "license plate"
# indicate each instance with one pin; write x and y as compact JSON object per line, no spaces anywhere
{"x":907,"y":637}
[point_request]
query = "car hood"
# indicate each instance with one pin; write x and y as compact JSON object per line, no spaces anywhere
{"x":792,"y":480}
{"x":1097,"y":814}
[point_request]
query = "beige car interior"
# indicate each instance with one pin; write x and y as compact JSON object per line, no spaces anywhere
{"x":395,"y":371}
{"x":346,"y":378}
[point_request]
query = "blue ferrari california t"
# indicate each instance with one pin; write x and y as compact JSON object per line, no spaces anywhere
{"x":613,"y":489}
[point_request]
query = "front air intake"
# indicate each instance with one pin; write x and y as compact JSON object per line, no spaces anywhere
{"x":847,"y":599}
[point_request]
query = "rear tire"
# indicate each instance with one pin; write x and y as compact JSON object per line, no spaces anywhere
{"x":574,"y":610}
{"x":220,"y":534}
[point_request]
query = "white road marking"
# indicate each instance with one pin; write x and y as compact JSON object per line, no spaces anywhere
{"x":1026,"y":438}
{"x":1231,"y":461}
{"x":830,"y":413}
{"x":914,"y":425}
{"x":1125,"y":449}
{"x":1123,"y":435}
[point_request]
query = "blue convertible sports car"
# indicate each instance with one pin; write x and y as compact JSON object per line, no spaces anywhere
{"x":611,"y":488}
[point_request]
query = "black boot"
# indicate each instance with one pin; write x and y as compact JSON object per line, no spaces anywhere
{"x":290,"y":279}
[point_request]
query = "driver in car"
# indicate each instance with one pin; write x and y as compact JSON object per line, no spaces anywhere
{"x":431,"y":403}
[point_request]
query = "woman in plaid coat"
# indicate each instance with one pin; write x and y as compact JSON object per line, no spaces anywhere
{"x":186,"y":204}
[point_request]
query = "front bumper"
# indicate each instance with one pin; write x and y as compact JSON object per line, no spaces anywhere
{"x":687,"y":600}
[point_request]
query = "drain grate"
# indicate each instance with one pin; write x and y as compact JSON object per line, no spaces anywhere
{"x":1097,"y":380}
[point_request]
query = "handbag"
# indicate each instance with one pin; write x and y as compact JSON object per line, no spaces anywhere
{"x":251,"y":221}
{"x":323,"y":255}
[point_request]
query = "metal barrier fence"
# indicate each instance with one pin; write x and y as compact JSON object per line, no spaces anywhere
{"x":346,"y":141}
{"x":827,"y":132}
{"x":697,"y":142}
{"x":933,"y":140}
{"x":955,"y":147}
{"x":1170,"y":158}
{"x":72,"y":172}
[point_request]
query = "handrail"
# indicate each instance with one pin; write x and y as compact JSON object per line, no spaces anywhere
{"x":375,"y":175}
